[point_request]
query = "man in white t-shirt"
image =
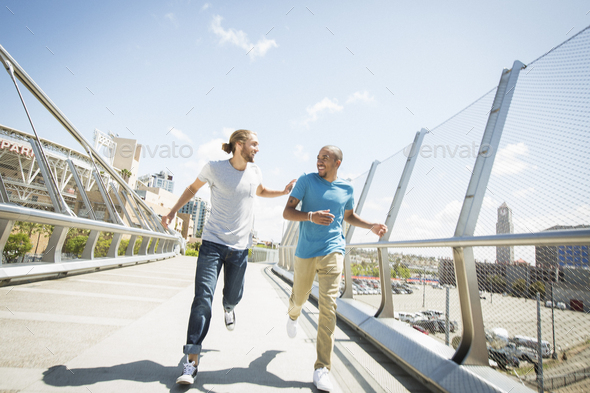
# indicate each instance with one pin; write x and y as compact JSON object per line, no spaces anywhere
{"x":227,"y":235}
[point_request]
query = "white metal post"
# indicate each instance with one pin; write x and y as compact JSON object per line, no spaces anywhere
{"x":5,"y":229}
{"x":472,"y":349}
{"x":52,"y":252}
{"x":114,"y":216}
{"x":81,"y":189}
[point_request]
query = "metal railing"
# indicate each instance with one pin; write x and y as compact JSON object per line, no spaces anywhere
{"x":51,"y":185}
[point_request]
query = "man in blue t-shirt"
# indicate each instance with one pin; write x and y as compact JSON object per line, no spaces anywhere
{"x":326,"y":201}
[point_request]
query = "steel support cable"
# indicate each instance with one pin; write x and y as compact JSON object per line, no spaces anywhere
{"x":62,"y":206}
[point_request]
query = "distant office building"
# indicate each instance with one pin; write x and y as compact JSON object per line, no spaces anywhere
{"x":123,"y":154}
{"x":199,"y":210}
{"x":163,"y":180}
{"x":574,"y":256}
{"x":504,"y":225}
{"x":188,"y":226}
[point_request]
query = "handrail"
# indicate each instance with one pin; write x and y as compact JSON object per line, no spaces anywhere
{"x":16,"y":212}
{"x":546,"y":238}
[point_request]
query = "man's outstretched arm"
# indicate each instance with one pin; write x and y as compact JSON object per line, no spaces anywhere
{"x":354,"y":219}
{"x":186,"y":196}
{"x":264,"y":192}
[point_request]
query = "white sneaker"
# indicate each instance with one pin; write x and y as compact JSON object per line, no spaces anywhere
{"x":321,"y":379}
{"x":230,"y":320}
{"x":292,"y":327}
{"x":188,"y":373}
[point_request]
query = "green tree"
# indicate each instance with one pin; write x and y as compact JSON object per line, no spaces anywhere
{"x":125,"y":174}
{"x":402,"y":272}
{"x":519,"y":287}
{"x":75,"y":245}
{"x":16,"y":247}
{"x":191,"y":253}
{"x":125,"y":243}
{"x":356,"y":269}
{"x":194,"y":246}
{"x":497,"y":283}
{"x":33,"y":228}
{"x":535,"y":287}
{"x":102,"y":245}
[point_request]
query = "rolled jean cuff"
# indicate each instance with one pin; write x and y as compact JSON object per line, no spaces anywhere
{"x":192,"y":349}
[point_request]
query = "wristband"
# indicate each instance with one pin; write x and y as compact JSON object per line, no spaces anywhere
{"x":309,"y":216}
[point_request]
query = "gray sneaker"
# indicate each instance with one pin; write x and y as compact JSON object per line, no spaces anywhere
{"x":230,"y":320}
{"x":189,"y":373}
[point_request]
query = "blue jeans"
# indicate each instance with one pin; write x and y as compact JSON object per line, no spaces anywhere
{"x":212,"y":257}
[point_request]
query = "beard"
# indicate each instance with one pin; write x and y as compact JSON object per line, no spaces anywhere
{"x":247,"y":156}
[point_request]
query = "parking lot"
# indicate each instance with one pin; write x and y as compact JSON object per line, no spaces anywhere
{"x":518,"y":316}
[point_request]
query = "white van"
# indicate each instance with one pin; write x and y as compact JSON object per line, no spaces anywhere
{"x":407,"y":316}
{"x":532,"y":343}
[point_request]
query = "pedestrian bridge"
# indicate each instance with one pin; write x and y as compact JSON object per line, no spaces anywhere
{"x":122,"y":330}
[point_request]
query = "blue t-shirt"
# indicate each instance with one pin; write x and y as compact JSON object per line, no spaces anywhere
{"x":316,"y":193}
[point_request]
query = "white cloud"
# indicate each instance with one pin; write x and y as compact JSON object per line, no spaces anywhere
{"x":324,"y":105}
{"x":240,"y":39}
{"x":508,"y":160}
{"x":358,"y":96}
{"x":170,"y":16}
{"x":205,"y":6}
{"x":179,"y":134}
{"x":300,"y":154}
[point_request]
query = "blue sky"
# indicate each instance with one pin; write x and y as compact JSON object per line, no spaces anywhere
{"x":361,"y":75}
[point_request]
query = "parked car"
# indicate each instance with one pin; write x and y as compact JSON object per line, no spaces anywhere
{"x":432,"y":314}
{"x":560,"y":305}
{"x":428,"y":324}
{"x":406,"y":316}
{"x":503,"y":358}
{"x":442,"y":325}
{"x":420,"y":329}
{"x":522,"y":353}
{"x":531,"y":342}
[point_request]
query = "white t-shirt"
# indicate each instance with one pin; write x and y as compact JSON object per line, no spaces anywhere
{"x":232,"y":203}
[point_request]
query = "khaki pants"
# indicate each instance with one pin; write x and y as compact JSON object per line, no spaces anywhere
{"x":329,"y":270}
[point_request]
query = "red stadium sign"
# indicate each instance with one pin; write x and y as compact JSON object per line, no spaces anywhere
{"x":16,"y":148}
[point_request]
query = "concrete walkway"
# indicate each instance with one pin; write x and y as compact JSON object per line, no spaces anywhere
{"x":122,"y":330}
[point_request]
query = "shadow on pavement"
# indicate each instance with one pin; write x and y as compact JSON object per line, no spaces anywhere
{"x":147,"y":371}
